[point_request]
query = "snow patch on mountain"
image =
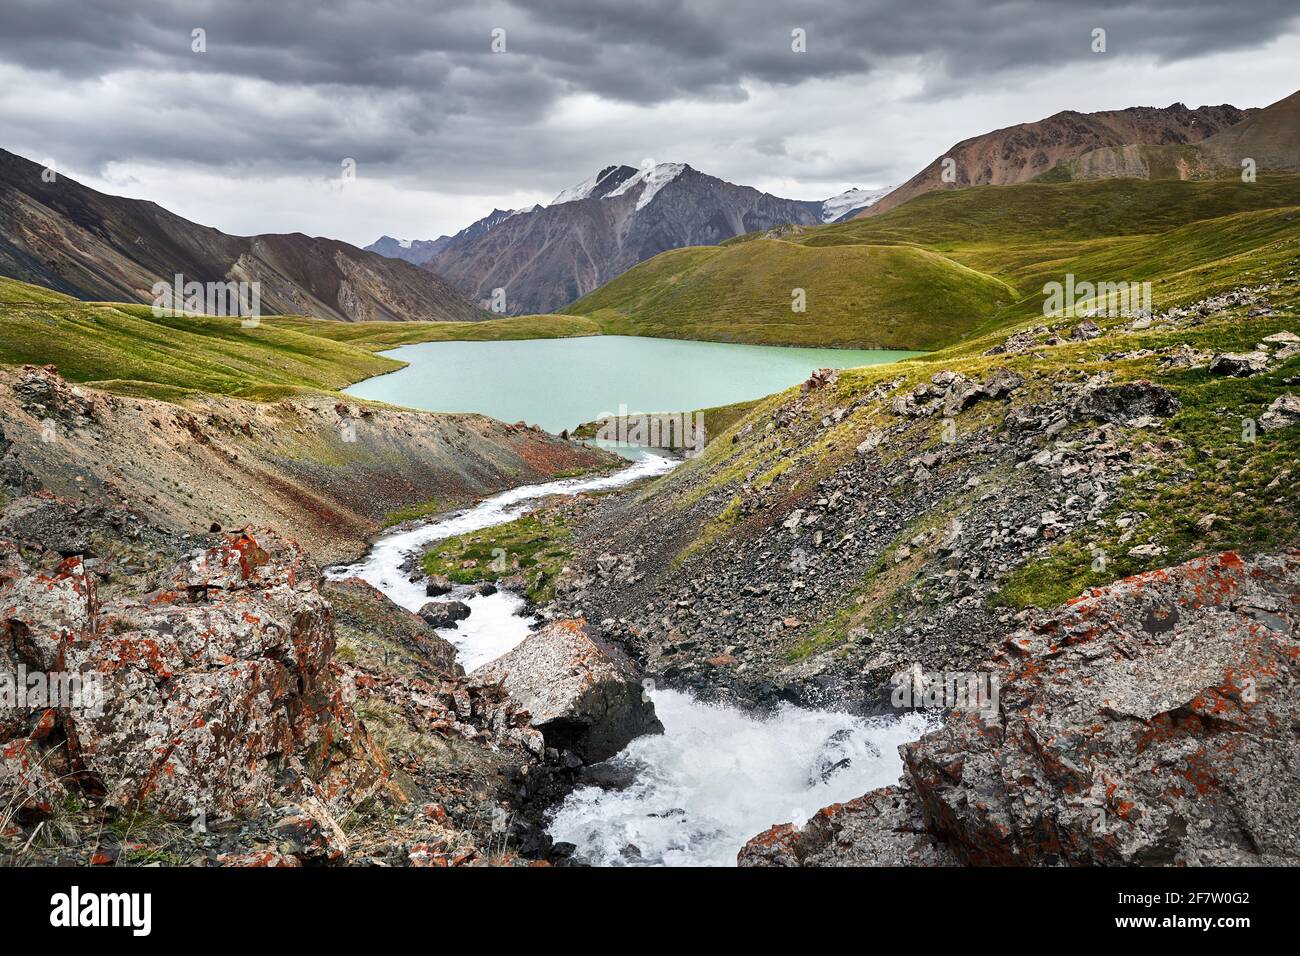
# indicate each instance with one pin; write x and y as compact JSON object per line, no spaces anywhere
{"x":851,"y":200}
{"x":583,"y":190}
{"x":598,"y":185}
{"x":653,"y":178}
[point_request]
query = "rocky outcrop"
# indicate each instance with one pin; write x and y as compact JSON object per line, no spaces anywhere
{"x":583,"y":694}
{"x":218,"y":716}
{"x":1282,"y":413}
{"x":951,"y":393}
{"x":1239,"y":364}
{"x":1148,"y":722}
{"x":882,"y":828}
{"x":212,"y":694}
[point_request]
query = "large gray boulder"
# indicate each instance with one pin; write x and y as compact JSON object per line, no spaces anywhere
{"x":583,"y":694}
{"x":1149,"y":722}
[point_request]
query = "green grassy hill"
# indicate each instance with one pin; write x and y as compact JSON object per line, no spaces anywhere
{"x":949,"y":264}
{"x":127,"y":349}
{"x":857,"y":296}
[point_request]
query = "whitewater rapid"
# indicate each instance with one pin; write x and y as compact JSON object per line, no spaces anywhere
{"x":716,"y":777}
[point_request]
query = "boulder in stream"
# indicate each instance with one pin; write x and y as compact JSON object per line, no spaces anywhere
{"x":444,"y":613}
{"x":436,"y":585}
{"x":583,"y":694}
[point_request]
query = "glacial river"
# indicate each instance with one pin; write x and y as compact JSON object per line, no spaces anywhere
{"x":716,"y":777}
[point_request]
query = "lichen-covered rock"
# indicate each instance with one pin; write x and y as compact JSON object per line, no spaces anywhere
{"x":583,"y":694}
{"x":1148,"y":722}
{"x":216,"y":693}
{"x":882,"y":828}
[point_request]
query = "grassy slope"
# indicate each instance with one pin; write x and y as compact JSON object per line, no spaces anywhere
{"x":867,"y":283}
{"x":859,"y":296}
{"x":377,"y":336}
{"x":127,"y":349}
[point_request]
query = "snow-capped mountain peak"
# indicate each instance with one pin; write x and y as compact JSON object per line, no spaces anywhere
{"x":618,"y":180}
{"x":598,"y":185}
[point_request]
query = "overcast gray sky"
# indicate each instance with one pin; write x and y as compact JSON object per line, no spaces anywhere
{"x":251,"y":134}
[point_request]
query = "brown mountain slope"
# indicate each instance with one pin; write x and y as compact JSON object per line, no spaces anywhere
{"x":1270,"y":136}
{"x":1019,"y":153}
{"x":329,"y":470}
{"x":85,"y":243}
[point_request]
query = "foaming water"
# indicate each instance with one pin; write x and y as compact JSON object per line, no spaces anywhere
{"x":493,"y":626}
{"x":717,"y":777}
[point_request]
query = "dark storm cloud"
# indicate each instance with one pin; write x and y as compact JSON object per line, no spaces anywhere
{"x":414,"y":86}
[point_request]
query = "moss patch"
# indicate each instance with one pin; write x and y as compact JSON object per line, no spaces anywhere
{"x":412,"y":512}
{"x":536,"y":546}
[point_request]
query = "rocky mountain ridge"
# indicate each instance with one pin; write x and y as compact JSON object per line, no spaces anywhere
{"x":1267,"y":139}
{"x":1019,"y":153}
{"x":62,"y":235}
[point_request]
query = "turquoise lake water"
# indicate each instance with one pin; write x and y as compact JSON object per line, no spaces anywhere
{"x":560,"y":383}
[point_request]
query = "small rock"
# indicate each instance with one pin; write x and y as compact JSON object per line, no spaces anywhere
{"x":437,"y":584}
{"x":1284,"y":412}
{"x":444,"y":613}
{"x":1239,"y":364}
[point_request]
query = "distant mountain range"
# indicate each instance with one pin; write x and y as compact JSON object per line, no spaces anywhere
{"x":420,"y":251}
{"x":60,"y":234}
{"x":68,"y":237}
{"x":1022,"y":152}
{"x":548,"y":256}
